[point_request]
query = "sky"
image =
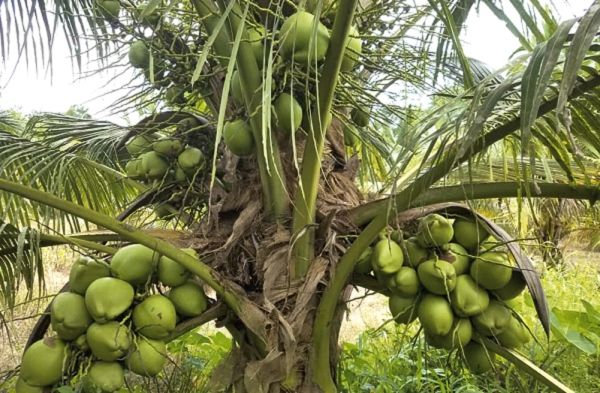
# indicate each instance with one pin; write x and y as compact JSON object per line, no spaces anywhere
{"x":486,"y":39}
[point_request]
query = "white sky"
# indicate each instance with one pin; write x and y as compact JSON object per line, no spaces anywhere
{"x":486,"y":39}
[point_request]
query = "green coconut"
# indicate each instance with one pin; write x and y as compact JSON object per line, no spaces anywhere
{"x":139,"y":55}
{"x":85,"y":271}
{"x":514,"y":335}
{"x":414,"y":254}
{"x":513,"y":288}
{"x":236,"y":88}
{"x":191,"y":159}
{"x":189,"y":299}
{"x":469,"y":233}
{"x":477,"y":358}
{"x":175,"y":95}
{"x":171,"y":273}
{"x":403,"y":309}
{"x":104,"y":377}
{"x":437,"y":276}
{"x":387,"y":257}
{"x":69,"y":316}
{"x":134,"y":263}
{"x":148,"y":357}
{"x":42,"y":362}
{"x":256,"y":36}
{"x":139,"y":144}
{"x":297,"y":41}
{"x":109,"y":9}
{"x":155,"y":317}
{"x":352,"y":51}
{"x":237,"y":136}
{"x":468,"y":298}
{"x":435,"y":314}
{"x":107,"y":298}
{"x":81,"y":343}
{"x":493,"y":319}
{"x":109,"y":341}
{"x":153,"y":165}
{"x":491,"y":270}
{"x":363,"y":265}
{"x":133,"y":169}
{"x":361,"y":116}
{"x":180,"y":174}
{"x":489,"y":244}
{"x":434,"y":231}
{"x":288,"y":113}
{"x":23,"y":387}
{"x":456,"y":255}
{"x":169,"y":147}
{"x":459,"y":335}
{"x":350,"y":137}
{"x":404,"y":282}
{"x":146,"y":16}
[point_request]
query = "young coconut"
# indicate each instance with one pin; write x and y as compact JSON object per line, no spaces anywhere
{"x":69,"y":316}
{"x":404,"y":282}
{"x":387,"y":257}
{"x":434,"y":231}
{"x":84,"y":272}
{"x":513,"y":288}
{"x":169,"y":147}
{"x":191,"y":159}
{"x":81,"y":343}
{"x":109,"y":341}
{"x":42,"y":363}
{"x":435,"y":315}
{"x":104,"y":377}
{"x":107,"y":298}
{"x":459,"y":335}
{"x":352,"y":51}
{"x":133,"y":169}
{"x":236,"y":88}
{"x":363,"y":265}
{"x":139,"y":55}
{"x":155,"y":317}
{"x":153,"y":165}
{"x":514,"y":335}
{"x":134,"y":263}
{"x":493,"y":319}
{"x":172,"y":274}
{"x":297,"y":42}
{"x":456,"y":255}
{"x":139,"y":144}
{"x":189,"y":299}
{"x":468,"y":298}
{"x":288,"y":113}
{"x":237,"y":136}
{"x":403,"y":309}
{"x":414,"y":254}
{"x":23,"y":387}
{"x":491,"y":270}
{"x":469,"y":233}
{"x":148,"y":357}
{"x":109,"y":9}
{"x":361,"y":116}
{"x":437,"y":276}
{"x":477,"y":358}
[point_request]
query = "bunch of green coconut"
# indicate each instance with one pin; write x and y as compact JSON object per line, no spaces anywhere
{"x":455,"y":278}
{"x":166,"y":158}
{"x":114,"y":318}
{"x":296,"y":47}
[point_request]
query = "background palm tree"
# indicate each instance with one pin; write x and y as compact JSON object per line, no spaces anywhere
{"x":61,"y":175}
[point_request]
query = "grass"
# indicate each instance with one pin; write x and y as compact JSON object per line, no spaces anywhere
{"x":376,"y":357}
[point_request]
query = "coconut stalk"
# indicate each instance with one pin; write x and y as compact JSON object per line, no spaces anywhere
{"x":310,"y":173}
{"x":267,"y":155}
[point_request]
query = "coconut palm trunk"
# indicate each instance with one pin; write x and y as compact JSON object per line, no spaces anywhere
{"x":277,"y":150}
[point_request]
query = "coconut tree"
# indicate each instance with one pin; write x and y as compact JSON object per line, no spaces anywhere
{"x":281,"y":106}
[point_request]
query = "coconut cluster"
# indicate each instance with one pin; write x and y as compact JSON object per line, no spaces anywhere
{"x":454,"y":278}
{"x":163,"y":158}
{"x":113,"y":319}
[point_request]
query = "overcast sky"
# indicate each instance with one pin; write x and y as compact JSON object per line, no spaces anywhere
{"x":486,"y":39}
